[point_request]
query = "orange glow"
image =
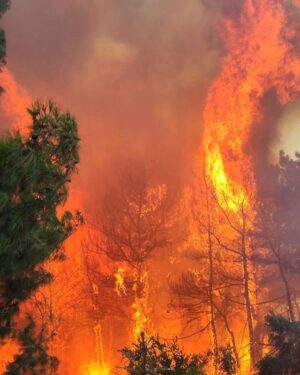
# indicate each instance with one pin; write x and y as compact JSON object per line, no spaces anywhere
{"x":229,"y":195}
{"x":258,"y":60}
{"x":140,"y":305}
{"x":9,"y":349}
{"x":139,"y":317}
{"x":93,"y":291}
{"x":120,"y":287}
{"x":14,"y":102}
{"x":95,"y":369}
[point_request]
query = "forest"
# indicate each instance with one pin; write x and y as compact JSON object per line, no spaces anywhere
{"x":154,"y":228}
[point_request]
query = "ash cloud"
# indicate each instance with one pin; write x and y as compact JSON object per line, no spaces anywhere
{"x":135,"y":73}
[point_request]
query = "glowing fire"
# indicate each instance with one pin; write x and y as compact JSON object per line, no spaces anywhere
{"x":120,"y":287}
{"x":8,"y":351}
{"x":96,"y":369}
{"x":139,"y":316}
{"x":14,"y":102}
{"x":259,"y":59}
{"x":261,"y":56}
{"x":140,"y":306}
{"x":229,"y":195}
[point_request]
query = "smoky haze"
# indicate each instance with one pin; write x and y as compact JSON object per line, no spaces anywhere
{"x":135,"y":73}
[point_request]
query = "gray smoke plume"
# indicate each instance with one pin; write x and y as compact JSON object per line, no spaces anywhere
{"x":135,"y":73}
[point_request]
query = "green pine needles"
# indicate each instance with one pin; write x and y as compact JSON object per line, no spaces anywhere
{"x":34,"y":177}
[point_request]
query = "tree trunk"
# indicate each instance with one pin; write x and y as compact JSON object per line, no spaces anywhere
{"x":287,"y":288}
{"x":247,"y":298}
{"x":233,"y":343}
{"x":212,"y":307}
{"x":211,"y":288}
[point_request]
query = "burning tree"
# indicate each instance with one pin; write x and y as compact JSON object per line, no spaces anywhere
{"x":247,"y":263}
{"x":105,"y":311}
{"x":219,"y":287}
{"x":232,"y":108}
{"x":245,"y":246}
{"x":137,"y":221}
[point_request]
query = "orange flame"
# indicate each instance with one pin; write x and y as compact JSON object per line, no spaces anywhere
{"x":120,"y":287}
{"x":96,"y":369}
{"x":9,"y":349}
{"x":259,"y":59}
{"x":139,"y":317}
{"x":229,"y":195}
{"x":14,"y":102}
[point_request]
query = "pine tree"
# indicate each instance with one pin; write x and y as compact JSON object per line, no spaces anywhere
{"x":150,"y":356}
{"x":34,"y":177}
{"x":34,"y":358}
{"x":4,"y":6}
{"x":284,"y":339}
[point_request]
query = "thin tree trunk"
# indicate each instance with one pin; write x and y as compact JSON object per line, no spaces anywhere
{"x":246,"y":280}
{"x":297,"y":307}
{"x":231,"y":334}
{"x":211,"y":287}
{"x":287,"y":288}
{"x":212,"y":306}
{"x":276,"y":249}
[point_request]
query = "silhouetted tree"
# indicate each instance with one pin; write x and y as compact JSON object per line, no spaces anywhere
{"x":135,"y":216}
{"x":4,"y":5}
{"x":137,"y":220}
{"x":284,"y":340}
{"x":34,"y":358}
{"x":217,"y":288}
{"x":34,"y":177}
{"x":276,"y":233}
{"x":153,"y":357}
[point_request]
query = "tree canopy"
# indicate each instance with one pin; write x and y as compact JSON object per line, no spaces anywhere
{"x":284,"y":339}
{"x":4,"y":6}
{"x":34,"y":177}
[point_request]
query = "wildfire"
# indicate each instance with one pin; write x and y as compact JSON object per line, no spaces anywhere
{"x":139,"y":306}
{"x":8,"y":351}
{"x":229,"y":195}
{"x":261,"y":56}
{"x":120,"y":287}
{"x":14,"y":102}
{"x":96,"y":369}
{"x":259,"y":59}
{"x":139,"y":316}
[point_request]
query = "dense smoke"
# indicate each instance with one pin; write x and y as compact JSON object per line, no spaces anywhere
{"x":272,"y":132}
{"x":135,"y":73}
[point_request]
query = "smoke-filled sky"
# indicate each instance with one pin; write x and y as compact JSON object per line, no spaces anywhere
{"x":134,"y":72}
